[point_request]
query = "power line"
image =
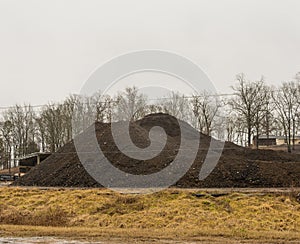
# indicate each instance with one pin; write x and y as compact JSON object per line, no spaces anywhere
{"x":113,"y":101}
{"x":116,"y":101}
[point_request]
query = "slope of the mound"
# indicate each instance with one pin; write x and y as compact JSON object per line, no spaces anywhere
{"x":237,"y":167}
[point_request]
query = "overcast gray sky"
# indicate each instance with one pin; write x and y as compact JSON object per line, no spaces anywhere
{"x":48,"y":48}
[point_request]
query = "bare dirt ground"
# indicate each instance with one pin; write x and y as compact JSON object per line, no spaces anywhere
{"x":238,"y":167}
{"x":282,"y":148}
{"x":207,"y":240}
{"x":225,"y":190}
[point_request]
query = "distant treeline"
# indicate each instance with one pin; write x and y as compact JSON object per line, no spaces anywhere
{"x":254,"y":108}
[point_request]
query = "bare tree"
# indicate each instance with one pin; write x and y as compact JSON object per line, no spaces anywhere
{"x":205,"y":108}
{"x":230,"y":128}
{"x":235,"y":128}
{"x":268,"y":123}
{"x":262,"y":112}
{"x":103,"y":106}
{"x":6,"y":129}
{"x":68,"y":107}
{"x":176,"y":105}
{"x":153,"y":108}
{"x":53,"y":125}
{"x":2,"y":153}
{"x":22,"y":119}
{"x":41,"y":133}
{"x":130,"y":104}
{"x":246,"y":102}
{"x":287,"y":104}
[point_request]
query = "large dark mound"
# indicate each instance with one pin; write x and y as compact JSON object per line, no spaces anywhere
{"x":237,"y":167}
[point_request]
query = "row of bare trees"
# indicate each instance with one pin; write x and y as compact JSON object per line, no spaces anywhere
{"x":266,"y":110}
{"x":254,"y":108}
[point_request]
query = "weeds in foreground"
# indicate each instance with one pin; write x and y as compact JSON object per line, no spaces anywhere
{"x":183,"y":211}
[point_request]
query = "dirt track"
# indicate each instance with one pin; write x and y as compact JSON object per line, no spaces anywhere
{"x":173,"y":189}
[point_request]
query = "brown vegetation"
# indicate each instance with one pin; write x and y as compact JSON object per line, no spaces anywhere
{"x":171,"y":214}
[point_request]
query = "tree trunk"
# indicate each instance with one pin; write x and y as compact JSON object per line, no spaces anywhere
{"x":249,"y":136}
{"x":289,"y":141}
{"x":294,"y":132}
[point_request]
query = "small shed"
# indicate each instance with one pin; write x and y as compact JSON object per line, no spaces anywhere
{"x":29,"y":161}
{"x":264,"y":140}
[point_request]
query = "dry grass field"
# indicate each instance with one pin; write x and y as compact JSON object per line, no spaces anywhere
{"x":173,"y":215}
